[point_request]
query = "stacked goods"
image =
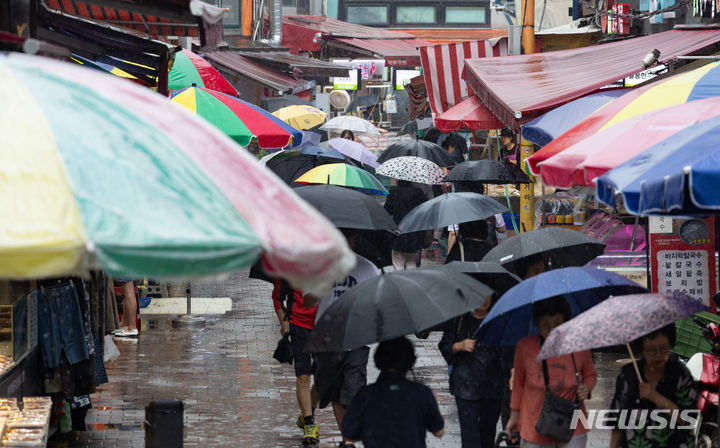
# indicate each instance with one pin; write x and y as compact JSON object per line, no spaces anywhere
{"x":27,"y":428}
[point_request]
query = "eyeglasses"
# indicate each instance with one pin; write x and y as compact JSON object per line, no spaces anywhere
{"x":662,"y":350}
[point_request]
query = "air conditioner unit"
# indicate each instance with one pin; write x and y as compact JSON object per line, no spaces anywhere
{"x":339,"y":99}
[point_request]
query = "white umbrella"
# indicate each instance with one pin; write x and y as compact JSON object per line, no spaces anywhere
{"x":354,"y":150}
{"x":355,"y":124}
{"x":412,"y":169}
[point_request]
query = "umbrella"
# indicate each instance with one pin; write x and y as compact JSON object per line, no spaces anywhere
{"x":290,"y":168}
{"x":618,"y":320}
{"x":418,"y":148}
{"x":561,"y":247}
{"x":488,"y":272}
{"x":412,"y":169}
{"x":355,"y":124}
{"x":102,"y":173}
{"x":354,"y":150}
{"x":347,"y":208}
{"x":301,"y":117}
{"x":592,"y":157}
{"x":277,"y":103}
{"x":553,"y":124}
{"x":703,"y":82}
{"x":510,"y":319}
{"x":189,"y":69}
{"x":449,"y":209}
{"x":343,"y":175}
{"x":488,"y":172}
{"x":677,"y":176}
{"x":279,"y":155}
{"x":393,"y":305}
{"x":238,"y":119}
{"x":321,"y":152}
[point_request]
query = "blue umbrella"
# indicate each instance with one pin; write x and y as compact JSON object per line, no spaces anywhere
{"x":679,"y":176}
{"x":553,"y":124}
{"x":320,"y":151}
{"x":510,"y":319}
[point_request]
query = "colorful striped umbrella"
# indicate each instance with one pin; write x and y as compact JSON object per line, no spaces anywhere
{"x":189,"y":69}
{"x":343,"y":175}
{"x":240,"y":120}
{"x":102,"y":173}
{"x":700,"y":83}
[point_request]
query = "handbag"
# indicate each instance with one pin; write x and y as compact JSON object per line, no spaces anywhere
{"x":283,"y":352}
{"x":557,"y":412}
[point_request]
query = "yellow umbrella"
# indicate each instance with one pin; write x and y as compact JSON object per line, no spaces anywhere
{"x":301,"y":117}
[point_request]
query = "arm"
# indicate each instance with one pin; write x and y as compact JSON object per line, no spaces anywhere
{"x":615,"y":438}
{"x":588,"y":375}
{"x":433,"y":420}
{"x":518,"y":386}
{"x":284,"y":324}
{"x":452,"y":235}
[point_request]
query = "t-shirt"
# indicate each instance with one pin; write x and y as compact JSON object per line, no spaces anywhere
{"x":299,"y":315}
{"x":499,"y":222}
{"x":364,"y":270}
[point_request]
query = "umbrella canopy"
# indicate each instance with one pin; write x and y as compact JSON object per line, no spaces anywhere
{"x":277,"y":103}
{"x":354,"y":150}
{"x":470,"y":114}
{"x":592,"y":157}
{"x":238,"y":119}
{"x":355,"y":124}
{"x":618,"y":320}
{"x":488,"y":272}
{"x":348,"y":208}
{"x":449,"y":209}
{"x":417,"y":148}
{"x":102,"y":173}
{"x":412,"y":169}
{"x":301,"y":117}
{"x":700,"y":83}
{"x":549,"y":126}
{"x":278,"y":155}
{"x":321,"y":152}
{"x":680,"y":175}
{"x":488,"y":172}
{"x":559,"y":247}
{"x":189,"y":69}
{"x":290,"y":168}
{"x":393,"y":305}
{"x":510,"y":319}
{"x":343,"y":175}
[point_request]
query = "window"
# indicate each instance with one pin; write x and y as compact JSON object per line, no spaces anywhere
{"x":367,"y":15}
{"x":415,"y":14}
{"x":464,"y":14}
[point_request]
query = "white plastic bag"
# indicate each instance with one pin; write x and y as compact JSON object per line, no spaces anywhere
{"x":111,"y":352}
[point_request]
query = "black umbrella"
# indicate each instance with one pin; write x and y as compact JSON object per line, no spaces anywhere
{"x":418,"y":148}
{"x":393,"y":305}
{"x":488,"y":272}
{"x":274,"y":104}
{"x":488,"y":172}
{"x":290,"y":168}
{"x":558,"y":247}
{"x":448,"y":209}
{"x":409,"y":128}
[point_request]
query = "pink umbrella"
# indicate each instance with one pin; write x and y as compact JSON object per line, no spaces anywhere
{"x":592,"y":157}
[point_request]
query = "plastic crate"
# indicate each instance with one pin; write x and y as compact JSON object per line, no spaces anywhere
{"x":690,"y":337}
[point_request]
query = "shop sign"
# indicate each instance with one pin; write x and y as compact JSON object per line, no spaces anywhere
{"x":684,"y":261}
{"x":367,"y":68}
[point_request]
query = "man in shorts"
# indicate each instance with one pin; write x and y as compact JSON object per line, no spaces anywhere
{"x":299,"y":321}
{"x":339,"y":376}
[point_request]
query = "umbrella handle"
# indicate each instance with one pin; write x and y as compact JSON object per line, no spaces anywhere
{"x":633,"y":361}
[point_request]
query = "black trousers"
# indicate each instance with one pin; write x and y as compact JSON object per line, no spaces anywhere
{"x":478,"y":422}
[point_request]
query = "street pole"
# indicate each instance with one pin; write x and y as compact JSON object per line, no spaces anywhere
{"x":527,"y":191}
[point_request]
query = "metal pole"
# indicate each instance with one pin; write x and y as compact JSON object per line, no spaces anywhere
{"x":527,"y":191}
{"x":188,"y":320}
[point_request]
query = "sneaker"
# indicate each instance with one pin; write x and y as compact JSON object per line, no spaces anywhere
{"x":312,"y":434}
{"x":300,"y":421}
{"x":127,"y":333}
{"x":119,"y":330}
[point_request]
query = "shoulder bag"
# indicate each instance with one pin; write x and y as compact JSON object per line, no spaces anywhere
{"x":557,"y":412}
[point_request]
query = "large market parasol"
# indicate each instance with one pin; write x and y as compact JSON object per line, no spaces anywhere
{"x":101,"y":173}
{"x":189,"y":69}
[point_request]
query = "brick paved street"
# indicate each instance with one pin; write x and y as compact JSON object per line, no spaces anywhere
{"x":235,"y":394}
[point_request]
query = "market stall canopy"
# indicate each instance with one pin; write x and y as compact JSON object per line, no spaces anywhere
{"x":233,"y":66}
{"x":395,"y":52}
{"x":439,"y":36}
{"x":183,"y":18}
{"x":302,"y":66}
{"x":470,"y":114}
{"x":521,"y":88}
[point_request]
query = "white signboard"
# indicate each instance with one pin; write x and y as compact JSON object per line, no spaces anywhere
{"x":684,"y":271}
{"x":661,"y":224}
{"x":403,"y":76}
{"x":368,"y":69}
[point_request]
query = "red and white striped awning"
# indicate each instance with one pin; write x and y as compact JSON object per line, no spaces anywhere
{"x":443,"y":66}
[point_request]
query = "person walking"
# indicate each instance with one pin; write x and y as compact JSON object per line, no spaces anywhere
{"x":299,"y":321}
{"x":571,"y":377}
{"x":400,"y":200}
{"x":393,"y":412}
{"x":128,"y":323}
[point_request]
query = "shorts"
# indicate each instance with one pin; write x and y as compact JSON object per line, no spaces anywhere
{"x":303,"y":362}
{"x":339,"y":376}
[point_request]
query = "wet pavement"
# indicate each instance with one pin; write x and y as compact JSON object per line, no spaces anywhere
{"x":235,"y":394}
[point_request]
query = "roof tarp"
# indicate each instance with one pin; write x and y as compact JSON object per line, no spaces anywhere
{"x":306,"y":67}
{"x":519,"y":88}
{"x":396,"y":52}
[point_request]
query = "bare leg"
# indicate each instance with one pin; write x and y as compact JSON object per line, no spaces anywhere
{"x":339,"y":411}
{"x":129,"y":306}
{"x":304,"y":398}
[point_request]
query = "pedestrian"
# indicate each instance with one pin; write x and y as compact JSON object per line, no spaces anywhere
{"x":509,"y":148}
{"x":128,"y":323}
{"x":478,"y":375}
{"x":571,"y":377}
{"x":454,"y":145}
{"x":401,"y":199}
{"x":339,"y":376}
{"x":348,"y":135}
{"x":299,"y":321}
{"x":495,"y":224}
{"x":472,"y":243}
{"x":393,"y":412}
{"x":666,"y":384}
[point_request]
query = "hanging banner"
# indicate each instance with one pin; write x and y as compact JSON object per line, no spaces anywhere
{"x":684,"y":260}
